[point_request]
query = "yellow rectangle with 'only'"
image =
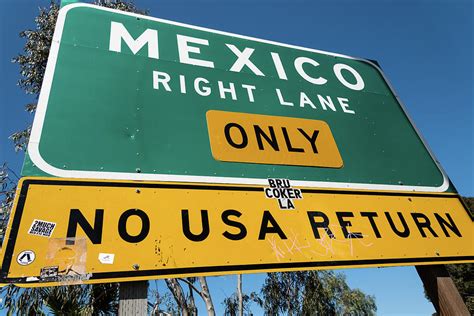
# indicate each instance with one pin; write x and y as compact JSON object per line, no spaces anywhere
{"x":65,"y":231}
{"x":265,"y":139}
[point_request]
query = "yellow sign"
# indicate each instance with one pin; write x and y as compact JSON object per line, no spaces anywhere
{"x":266,"y":139}
{"x":65,"y":231}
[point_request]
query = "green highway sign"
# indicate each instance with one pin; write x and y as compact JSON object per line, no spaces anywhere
{"x":132,"y":97}
{"x":173,"y":140}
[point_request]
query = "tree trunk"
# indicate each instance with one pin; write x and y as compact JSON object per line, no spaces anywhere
{"x":206,"y":296}
{"x":192,"y":304}
{"x":178,"y":294}
{"x":239,"y":294}
{"x":288,"y":297}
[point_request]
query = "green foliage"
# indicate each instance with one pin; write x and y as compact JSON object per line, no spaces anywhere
{"x":127,"y":6}
{"x":231,"y":303}
{"x":469,"y":201}
{"x":36,"y":50}
{"x":8,"y":181}
{"x":463,"y":277}
{"x":314,"y":293}
{"x":65,"y":300}
{"x":32,"y":63}
{"x":20,"y":138}
{"x":97,"y":299}
{"x":33,"y":60}
{"x":159,"y":304}
{"x":282,"y":292}
{"x":29,"y":302}
{"x":103,"y":298}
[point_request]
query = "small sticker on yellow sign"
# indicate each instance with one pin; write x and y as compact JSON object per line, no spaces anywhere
{"x":265,"y":139}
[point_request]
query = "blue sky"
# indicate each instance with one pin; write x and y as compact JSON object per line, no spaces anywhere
{"x":424,"y":47}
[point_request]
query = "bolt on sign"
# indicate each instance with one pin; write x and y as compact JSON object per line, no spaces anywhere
{"x":174,"y":142}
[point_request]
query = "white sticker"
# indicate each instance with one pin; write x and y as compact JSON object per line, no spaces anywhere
{"x":41,"y":228}
{"x":106,"y":258}
{"x":32,"y":279}
{"x":25,"y":257}
{"x":281,"y":190}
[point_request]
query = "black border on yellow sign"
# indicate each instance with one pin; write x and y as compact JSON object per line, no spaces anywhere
{"x":10,"y":243}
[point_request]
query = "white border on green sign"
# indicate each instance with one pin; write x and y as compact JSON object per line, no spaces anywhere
{"x":33,"y":146}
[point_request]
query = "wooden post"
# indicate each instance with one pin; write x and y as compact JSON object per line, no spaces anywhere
{"x":441,"y":290}
{"x":133,"y":298}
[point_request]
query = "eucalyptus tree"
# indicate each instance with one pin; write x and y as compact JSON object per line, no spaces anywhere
{"x":185,"y":299}
{"x":236,"y":305}
{"x":313,"y":293}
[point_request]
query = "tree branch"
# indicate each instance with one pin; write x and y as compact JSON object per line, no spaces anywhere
{"x":192,"y":286}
